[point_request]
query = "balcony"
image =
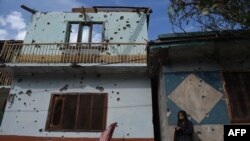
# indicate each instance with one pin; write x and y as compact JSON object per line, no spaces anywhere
{"x":86,"y":53}
{"x":5,"y":78}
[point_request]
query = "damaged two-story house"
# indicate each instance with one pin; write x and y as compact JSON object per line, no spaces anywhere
{"x":77,"y":72}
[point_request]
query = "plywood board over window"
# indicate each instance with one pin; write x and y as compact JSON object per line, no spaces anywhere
{"x":237,"y":87}
{"x":77,"y":112}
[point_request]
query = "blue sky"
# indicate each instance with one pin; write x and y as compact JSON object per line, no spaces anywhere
{"x":14,"y":20}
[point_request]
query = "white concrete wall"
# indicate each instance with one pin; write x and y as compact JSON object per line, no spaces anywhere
{"x":119,"y":27}
{"x":28,"y":114}
{"x":52,"y":27}
{"x":162,"y":108}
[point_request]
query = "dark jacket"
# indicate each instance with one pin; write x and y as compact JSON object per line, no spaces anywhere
{"x":185,"y":133}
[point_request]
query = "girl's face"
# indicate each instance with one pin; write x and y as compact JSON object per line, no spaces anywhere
{"x":181,"y":116}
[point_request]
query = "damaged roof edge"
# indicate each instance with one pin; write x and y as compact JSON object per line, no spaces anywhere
{"x":95,"y":9}
{"x":200,"y":36}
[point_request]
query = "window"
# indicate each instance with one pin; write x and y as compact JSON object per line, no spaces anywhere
{"x":74,"y":111}
{"x":85,"y":32}
{"x":4,"y":92}
{"x":238,"y":90}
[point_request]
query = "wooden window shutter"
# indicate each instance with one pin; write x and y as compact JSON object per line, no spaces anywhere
{"x":78,"y":112}
{"x":238,"y":90}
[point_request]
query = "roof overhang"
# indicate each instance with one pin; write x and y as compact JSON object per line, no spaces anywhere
{"x":223,"y":50}
{"x":96,"y":9}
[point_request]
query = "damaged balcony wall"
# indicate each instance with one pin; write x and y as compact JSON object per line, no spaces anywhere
{"x":125,"y":27}
{"x":106,"y":31}
{"x":129,"y":104}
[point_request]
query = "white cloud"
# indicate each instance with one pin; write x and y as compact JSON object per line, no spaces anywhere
{"x":14,"y":26}
{"x":97,"y":38}
{"x":3,"y":34}
{"x":21,"y":35}
{"x":85,"y":35}
{"x":73,"y":36}
{"x":2,"y":21}
{"x":16,"y":21}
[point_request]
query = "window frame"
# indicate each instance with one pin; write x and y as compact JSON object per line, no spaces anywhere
{"x":229,"y":104}
{"x":80,"y":27}
{"x":51,"y":109}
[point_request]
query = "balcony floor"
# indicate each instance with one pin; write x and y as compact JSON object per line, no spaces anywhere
{"x":20,"y":68}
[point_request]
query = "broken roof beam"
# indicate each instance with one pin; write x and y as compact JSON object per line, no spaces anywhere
{"x":112,"y":9}
{"x":33,"y":11}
